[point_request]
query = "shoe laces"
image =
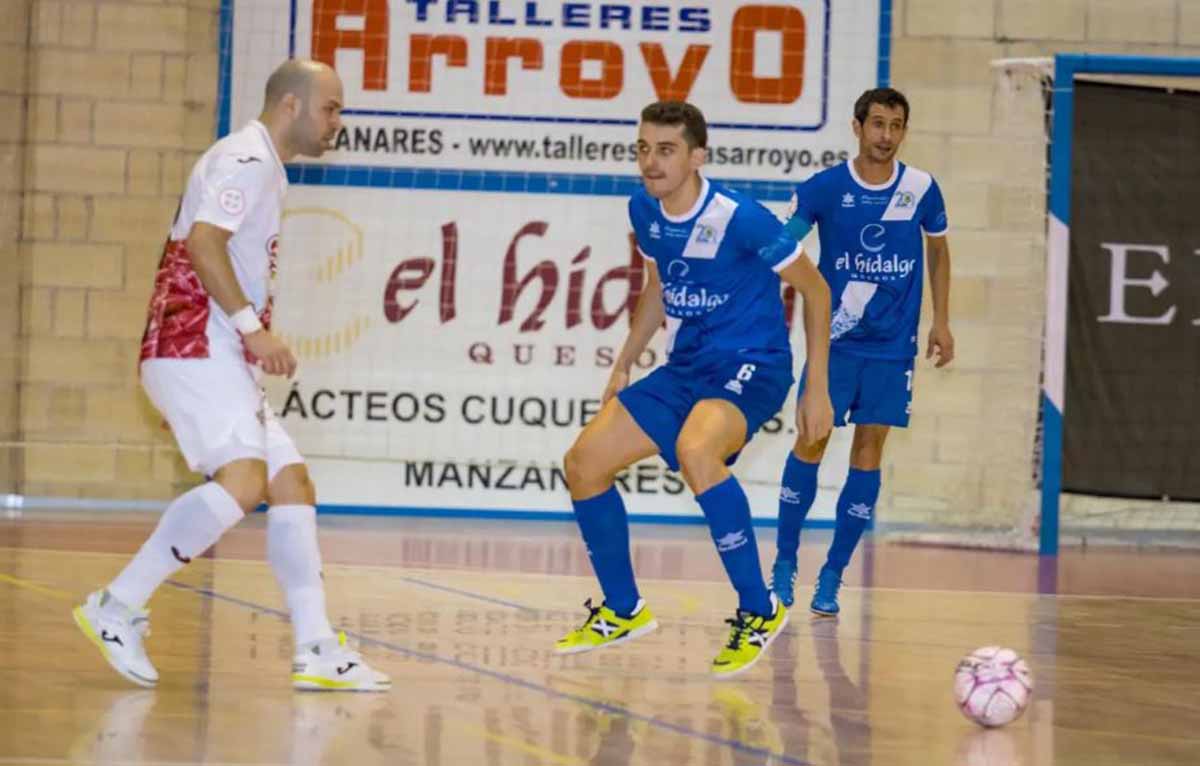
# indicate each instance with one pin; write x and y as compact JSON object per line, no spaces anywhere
{"x":828,"y":583}
{"x":742,"y":622}
{"x":592,"y":612}
{"x":783,"y":571}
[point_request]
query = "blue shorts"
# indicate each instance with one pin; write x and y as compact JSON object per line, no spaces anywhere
{"x":868,"y":391}
{"x":756,"y":383}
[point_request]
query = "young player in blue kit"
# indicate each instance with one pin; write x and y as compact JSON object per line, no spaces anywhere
{"x":870,"y":214}
{"x":714,"y":259}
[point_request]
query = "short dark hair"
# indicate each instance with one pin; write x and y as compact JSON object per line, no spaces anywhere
{"x":695,"y":129}
{"x":889,"y":97}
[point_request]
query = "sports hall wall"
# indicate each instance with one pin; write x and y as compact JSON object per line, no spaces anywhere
{"x":109,"y":103}
{"x":14,"y":54}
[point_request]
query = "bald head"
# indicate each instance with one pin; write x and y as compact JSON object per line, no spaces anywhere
{"x":295,"y":77}
{"x":302,"y":107}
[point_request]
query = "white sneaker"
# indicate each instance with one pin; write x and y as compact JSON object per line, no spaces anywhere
{"x":117,"y":631}
{"x":329,"y":666}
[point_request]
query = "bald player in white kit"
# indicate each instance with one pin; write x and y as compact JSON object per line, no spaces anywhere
{"x":207,"y":344}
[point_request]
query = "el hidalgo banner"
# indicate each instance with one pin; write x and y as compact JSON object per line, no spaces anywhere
{"x":1132,"y":408}
{"x":458,"y":275}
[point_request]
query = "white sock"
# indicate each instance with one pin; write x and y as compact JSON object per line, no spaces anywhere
{"x":296,"y":560}
{"x":190,"y":525}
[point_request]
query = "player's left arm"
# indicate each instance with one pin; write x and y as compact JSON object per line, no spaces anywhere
{"x":775,"y":244}
{"x":941,"y":340}
{"x":814,"y":413}
{"x":937,"y":261}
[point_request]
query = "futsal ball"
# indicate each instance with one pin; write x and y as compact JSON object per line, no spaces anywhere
{"x":992,"y":686}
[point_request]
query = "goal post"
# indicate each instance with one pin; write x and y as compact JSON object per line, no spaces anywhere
{"x":1123,"y":517}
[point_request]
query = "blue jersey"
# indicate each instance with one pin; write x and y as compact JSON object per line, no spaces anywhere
{"x":872,"y":253}
{"x":718,"y":264}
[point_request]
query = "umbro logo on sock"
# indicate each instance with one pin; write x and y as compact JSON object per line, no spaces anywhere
{"x":346,"y":668}
{"x":111,"y":638}
{"x":788,"y":495}
{"x":179,"y":556}
{"x":731,"y":541}
{"x":860,"y":510}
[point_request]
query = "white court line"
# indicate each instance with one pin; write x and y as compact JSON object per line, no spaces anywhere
{"x":13,"y":760}
{"x":588,"y":578}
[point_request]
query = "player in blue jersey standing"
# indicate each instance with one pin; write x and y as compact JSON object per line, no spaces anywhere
{"x":873,"y":214}
{"x":714,"y":259}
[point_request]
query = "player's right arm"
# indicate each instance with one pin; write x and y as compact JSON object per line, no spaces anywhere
{"x":776,"y":245}
{"x":207,"y":244}
{"x":801,"y":213}
{"x":231,"y":185}
{"x":648,"y":316}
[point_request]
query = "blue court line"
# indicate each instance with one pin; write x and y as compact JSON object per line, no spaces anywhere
{"x":466,"y":594}
{"x":528,"y":515}
{"x":604,"y":707}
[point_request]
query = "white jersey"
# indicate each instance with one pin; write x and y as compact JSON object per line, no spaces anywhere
{"x":237,"y":185}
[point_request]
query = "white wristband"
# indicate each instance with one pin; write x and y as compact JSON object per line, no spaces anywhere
{"x":246,"y":321}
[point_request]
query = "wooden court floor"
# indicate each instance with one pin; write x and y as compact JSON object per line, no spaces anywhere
{"x":463,"y":615}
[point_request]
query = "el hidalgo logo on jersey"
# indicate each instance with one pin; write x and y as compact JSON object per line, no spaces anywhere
{"x":904,"y":199}
{"x":705,"y":234}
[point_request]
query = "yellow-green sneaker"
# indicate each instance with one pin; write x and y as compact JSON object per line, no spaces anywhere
{"x":749,"y":637}
{"x":604,"y":627}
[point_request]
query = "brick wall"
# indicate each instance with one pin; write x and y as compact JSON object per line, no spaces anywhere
{"x":121,"y":98}
{"x":967,"y":455}
{"x":14,"y":42}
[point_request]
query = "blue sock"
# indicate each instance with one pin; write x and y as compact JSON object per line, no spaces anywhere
{"x":855,"y":507}
{"x":797,"y":491}
{"x":605,"y":528}
{"x":728,"y":513}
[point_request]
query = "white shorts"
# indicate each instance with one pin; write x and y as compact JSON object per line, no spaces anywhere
{"x":218,"y":413}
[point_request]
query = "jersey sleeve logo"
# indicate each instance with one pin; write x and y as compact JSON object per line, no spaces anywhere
{"x":232,"y":201}
{"x":908,"y":195}
{"x":709,"y":230}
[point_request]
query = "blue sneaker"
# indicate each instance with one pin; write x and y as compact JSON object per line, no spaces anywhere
{"x":783,"y":580}
{"x":824,"y":600}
